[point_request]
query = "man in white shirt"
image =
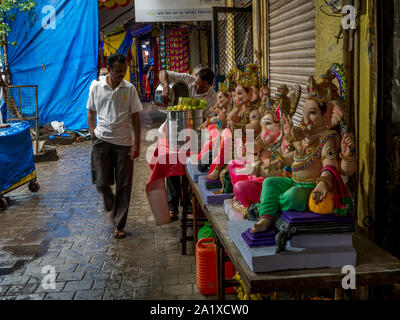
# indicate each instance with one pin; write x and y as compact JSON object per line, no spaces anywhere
{"x":200,"y":86}
{"x":116,"y":138}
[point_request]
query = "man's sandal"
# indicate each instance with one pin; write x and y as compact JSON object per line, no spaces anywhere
{"x":119,"y":233}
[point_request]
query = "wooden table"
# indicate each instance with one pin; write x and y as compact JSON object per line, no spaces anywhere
{"x":374,"y":265}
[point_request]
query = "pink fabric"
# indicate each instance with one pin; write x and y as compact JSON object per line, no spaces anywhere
{"x":237,"y":164}
{"x":246,"y":188}
{"x":214,"y":132}
{"x":248,"y":192}
{"x":225,"y":147}
{"x":161,"y":169}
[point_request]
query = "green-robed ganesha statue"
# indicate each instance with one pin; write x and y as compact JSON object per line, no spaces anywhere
{"x":320,"y":157}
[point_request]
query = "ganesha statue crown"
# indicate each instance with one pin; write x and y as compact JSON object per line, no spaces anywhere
{"x":250,"y":77}
{"x":326,"y":90}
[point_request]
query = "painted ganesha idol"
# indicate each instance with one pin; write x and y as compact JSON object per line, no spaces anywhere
{"x":244,"y":115}
{"x":215,"y":124}
{"x":322,"y":154}
{"x":268,"y":145}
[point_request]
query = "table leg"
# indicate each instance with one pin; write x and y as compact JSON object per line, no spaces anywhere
{"x":220,"y":252}
{"x":194,"y":220}
{"x":338,"y":294}
{"x":361,"y":293}
{"x":184,"y":215}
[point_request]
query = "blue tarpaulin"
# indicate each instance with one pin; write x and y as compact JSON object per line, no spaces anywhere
{"x":16,"y":157}
{"x":57,"y":49}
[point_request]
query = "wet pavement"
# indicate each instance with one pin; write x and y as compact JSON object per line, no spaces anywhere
{"x":64,"y":226}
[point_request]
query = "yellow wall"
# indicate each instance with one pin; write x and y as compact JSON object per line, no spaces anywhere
{"x":327,"y":49}
{"x":365,"y":119}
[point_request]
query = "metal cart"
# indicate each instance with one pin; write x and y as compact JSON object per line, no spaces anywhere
{"x":17,"y":166}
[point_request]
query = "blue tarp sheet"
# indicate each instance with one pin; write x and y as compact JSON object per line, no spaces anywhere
{"x":17,"y":165}
{"x":57,"y":49}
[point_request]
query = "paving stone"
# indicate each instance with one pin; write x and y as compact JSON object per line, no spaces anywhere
{"x":59,"y":295}
{"x":3,"y":289}
{"x":135,"y":281}
{"x":31,"y":297}
{"x":100,"y":284}
{"x":181,"y":289}
{"x":187,"y":260}
{"x":22,"y":289}
{"x":15,"y":280}
{"x":100,"y":275}
{"x":53,"y":260}
{"x":118,"y":294}
{"x":143,"y":293}
{"x":179,"y":269}
{"x":78,"y":285}
{"x":59,"y":286}
{"x":70,"y":276}
{"x":166,"y":278}
{"x":192,"y":297}
{"x":89,"y":295}
{"x":187,"y":278}
{"x":8,"y":298}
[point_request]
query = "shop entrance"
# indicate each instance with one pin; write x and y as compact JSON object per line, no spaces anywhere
{"x":232,"y":39}
{"x":147,"y":81}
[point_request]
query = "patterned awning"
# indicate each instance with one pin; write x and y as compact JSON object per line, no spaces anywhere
{"x":112,"y":4}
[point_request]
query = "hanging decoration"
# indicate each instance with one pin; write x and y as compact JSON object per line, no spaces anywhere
{"x":174,"y":50}
{"x":112,"y":4}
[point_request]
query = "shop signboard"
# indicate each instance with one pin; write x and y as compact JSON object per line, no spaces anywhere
{"x":176,"y":10}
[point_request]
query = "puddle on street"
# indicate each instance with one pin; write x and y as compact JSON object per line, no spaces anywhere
{"x":29,"y":246}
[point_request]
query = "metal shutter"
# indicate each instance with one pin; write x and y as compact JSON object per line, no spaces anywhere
{"x":291,"y":45}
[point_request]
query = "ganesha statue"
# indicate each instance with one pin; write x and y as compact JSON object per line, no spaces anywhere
{"x":244,"y":115}
{"x":322,"y":155}
{"x":220,"y":110}
{"x":268,"y":145}
{"x":215,"y":124}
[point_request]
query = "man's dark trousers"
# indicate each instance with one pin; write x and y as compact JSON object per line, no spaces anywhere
{"x":173,"y":194}
{"x":111,"y":162}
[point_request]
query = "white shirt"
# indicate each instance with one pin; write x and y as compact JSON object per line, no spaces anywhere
{"x":189,"y":80}
{"x":114,"y":110}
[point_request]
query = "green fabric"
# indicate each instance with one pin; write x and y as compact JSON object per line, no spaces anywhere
{"x":213,"y":185}
{"x":344,"y":211}
{"x":281,"y":193}
{"x":228,"y":187}
{"x":206,"y":231}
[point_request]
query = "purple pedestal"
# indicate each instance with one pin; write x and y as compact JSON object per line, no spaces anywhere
{"x":209,"y":196}
{"x":296,"y":217}
{"x":193,"y":170}
{"x":261,"y":239}
{"x":265,"y":258}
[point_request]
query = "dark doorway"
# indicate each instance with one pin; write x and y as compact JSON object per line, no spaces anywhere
{"x":387,"y":221}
